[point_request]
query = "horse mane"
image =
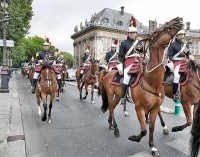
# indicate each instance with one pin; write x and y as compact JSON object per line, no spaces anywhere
{"x":46,"y":65}
{"x":194,"y":65}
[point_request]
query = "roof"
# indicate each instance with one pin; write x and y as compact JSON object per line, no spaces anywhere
{"x":112,"y":19}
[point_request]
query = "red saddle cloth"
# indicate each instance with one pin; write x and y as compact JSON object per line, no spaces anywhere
{"x":56,"y":69}
{"x":184,"y":67}
{"x":135,"y":68}
{"x":38,"y":68}
{"x":85,"y":67}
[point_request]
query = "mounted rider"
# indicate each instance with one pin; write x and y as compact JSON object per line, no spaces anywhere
{"x":44,"y":55}
{"x":129,"y":51}
{"x":86,"y":60}
{"x":177,"y":53}
{"x":111,"y":56}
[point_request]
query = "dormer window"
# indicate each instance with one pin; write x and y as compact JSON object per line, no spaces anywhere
{"x":120,"y":23}
{"x":105,"y":20}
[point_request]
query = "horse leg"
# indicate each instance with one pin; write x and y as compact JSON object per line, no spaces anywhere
{"x":44,"y":99}
{"x":86,"y":91}
{"x":153,"y":115}
{"x":38,"y":102}
{"x":147,"y":117}
{"x":58,"y":95}
{"x":165,"y":130}
{"x":81,"y":88}
{"x":92,"y":92}
{"x":50,"y":107}
{"x":188,"y":114}
{"x":125,"y":112}
{"x":141,"y":119}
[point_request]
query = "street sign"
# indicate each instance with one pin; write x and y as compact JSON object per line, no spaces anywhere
{"x":9,"y":43}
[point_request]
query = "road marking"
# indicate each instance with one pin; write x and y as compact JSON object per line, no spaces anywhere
{"x":141,"y":154}
{"x":180,"y":145}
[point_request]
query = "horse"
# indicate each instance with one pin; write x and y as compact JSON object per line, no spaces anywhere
{"x":24,"y":71}
{"x":89,"y":78}
{"x":47,"y":86}
{"x":148,"y":93}
{"x":31,"y":73}
{"x":64,"y":74}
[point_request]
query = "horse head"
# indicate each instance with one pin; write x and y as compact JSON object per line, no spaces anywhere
{"x":162,"y":35}
{"x":95,"y":67}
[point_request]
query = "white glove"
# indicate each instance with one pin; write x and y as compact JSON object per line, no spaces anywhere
{"x":120,"y":67}
{"x":191,"y":57}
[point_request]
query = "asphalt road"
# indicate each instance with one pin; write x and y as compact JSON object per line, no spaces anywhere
{"x":80,"y":129}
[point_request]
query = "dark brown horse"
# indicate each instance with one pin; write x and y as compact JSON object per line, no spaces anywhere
{"x":47,"y":86}
{"x":31,"y":73}
{"x":148,"y":94}
{"x":89,"y":78}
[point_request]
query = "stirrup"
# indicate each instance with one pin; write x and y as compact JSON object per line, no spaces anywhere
{"x":176,"y":97}
{"x":123,"y":101}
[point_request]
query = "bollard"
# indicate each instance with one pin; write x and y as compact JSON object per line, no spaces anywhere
{"x":177,"y":108}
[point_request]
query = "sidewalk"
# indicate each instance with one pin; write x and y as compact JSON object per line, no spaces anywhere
{"x":12,"y":140}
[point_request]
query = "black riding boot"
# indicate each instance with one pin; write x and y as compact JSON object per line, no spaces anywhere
{"x":175,"y":92}
{"x":81,"y":76}
{"x":123,"y":97}
{"x":34,"y":85}
{"x":60,"y":83}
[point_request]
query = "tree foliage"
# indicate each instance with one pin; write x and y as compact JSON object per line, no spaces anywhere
{"x":68,"y":58}
{"x":20,"y":12}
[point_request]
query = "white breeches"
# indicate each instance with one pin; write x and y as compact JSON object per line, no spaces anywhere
{"x":58,"y":76}
{"x":176,"y":74}
{"x":35,"y":76}
{"x":82,"y":71}
{"x":127,"y":77}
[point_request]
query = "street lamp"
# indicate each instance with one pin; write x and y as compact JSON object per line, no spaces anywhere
{"x":4,"y":72}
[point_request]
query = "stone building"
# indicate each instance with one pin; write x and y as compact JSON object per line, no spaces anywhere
{"x":99,"y":32}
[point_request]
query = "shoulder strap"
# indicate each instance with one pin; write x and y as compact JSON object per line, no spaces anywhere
{"x":182,"y":49}
{"x":87,"y":59}
{"x":131,"y":48}
{"x":113,"y":56}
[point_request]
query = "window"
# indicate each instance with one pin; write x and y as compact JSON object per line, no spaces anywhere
{"x":195,"y":48}
{"x":106,"y":44}
{"x":105,"y":20}
{"x":120,"y":23}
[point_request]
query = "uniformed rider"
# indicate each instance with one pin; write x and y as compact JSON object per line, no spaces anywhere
{"x":129,"y":50}
{"x":111,"y":57}
{"x":86,"y":60}
{"x":45,"y":54}
{"x":177,"y":52}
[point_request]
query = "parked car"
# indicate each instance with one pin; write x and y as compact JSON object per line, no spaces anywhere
{"x":71,"y":75}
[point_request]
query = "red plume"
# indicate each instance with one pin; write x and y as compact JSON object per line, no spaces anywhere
{"x":115,"y":41}
{"x":133,"y":22}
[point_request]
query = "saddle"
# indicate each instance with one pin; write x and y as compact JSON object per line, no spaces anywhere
{"x":113,"y":65}
{"x":135,"y":72}
{"x":56,"y":69}
{"x":184,"y":72}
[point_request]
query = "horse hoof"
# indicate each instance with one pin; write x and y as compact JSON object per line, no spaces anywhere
{"x":126,"y":114}
{"x":40,"y":115}
{"x":44,"y":118}
{"x":134,"y":138}
{"x":57,"y":99}
{"x":116,"y":132}
{"x":165,"y":131}
{"x":175,"y":129}
{"x":111,"y":127}
{"x":49,"y":121}
{"x":93,"y":102}
{"x":84,"y":98}
{"x":155,"y":154}
{"x":147,"y":121}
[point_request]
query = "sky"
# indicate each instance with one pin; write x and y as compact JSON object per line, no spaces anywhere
{"x":56,"y":19}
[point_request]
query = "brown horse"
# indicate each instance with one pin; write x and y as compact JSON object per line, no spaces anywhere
{"x":89,"y":78}
{"x":24,"y":71}
{"x":47,"y":86}
{"x":64,"y":74}
{"x":31,"y":73}
{"x":148,"y":94}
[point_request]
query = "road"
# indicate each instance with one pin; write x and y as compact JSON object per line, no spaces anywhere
{"x":80,"y":129}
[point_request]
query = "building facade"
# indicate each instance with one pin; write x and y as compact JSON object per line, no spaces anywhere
{"x":107,"y":25}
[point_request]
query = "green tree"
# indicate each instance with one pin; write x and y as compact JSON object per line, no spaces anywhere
{"x":68,"y":58}
{"x":27,"y":48}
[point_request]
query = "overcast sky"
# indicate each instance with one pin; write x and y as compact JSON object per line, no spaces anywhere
{"x":56,"y":19}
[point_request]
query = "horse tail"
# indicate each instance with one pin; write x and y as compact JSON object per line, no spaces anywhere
{"x":105,"y":104}
{"x":195,"y":139}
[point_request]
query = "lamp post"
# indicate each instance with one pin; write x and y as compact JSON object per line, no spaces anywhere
{"x":4,"y":72}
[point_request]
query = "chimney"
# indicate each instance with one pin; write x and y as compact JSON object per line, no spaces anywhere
{"x":155,"y":24}
{"x":151,"y":26}
{"x":122,"y":10}
{"x":188,"y":25}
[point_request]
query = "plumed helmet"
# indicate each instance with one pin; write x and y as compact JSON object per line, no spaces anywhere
{"x":181,"y":32}
{"x":114,"y":43}
{"x":87,"y":49}
{"x":132,"y":27}
{"x":46,"y":43}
